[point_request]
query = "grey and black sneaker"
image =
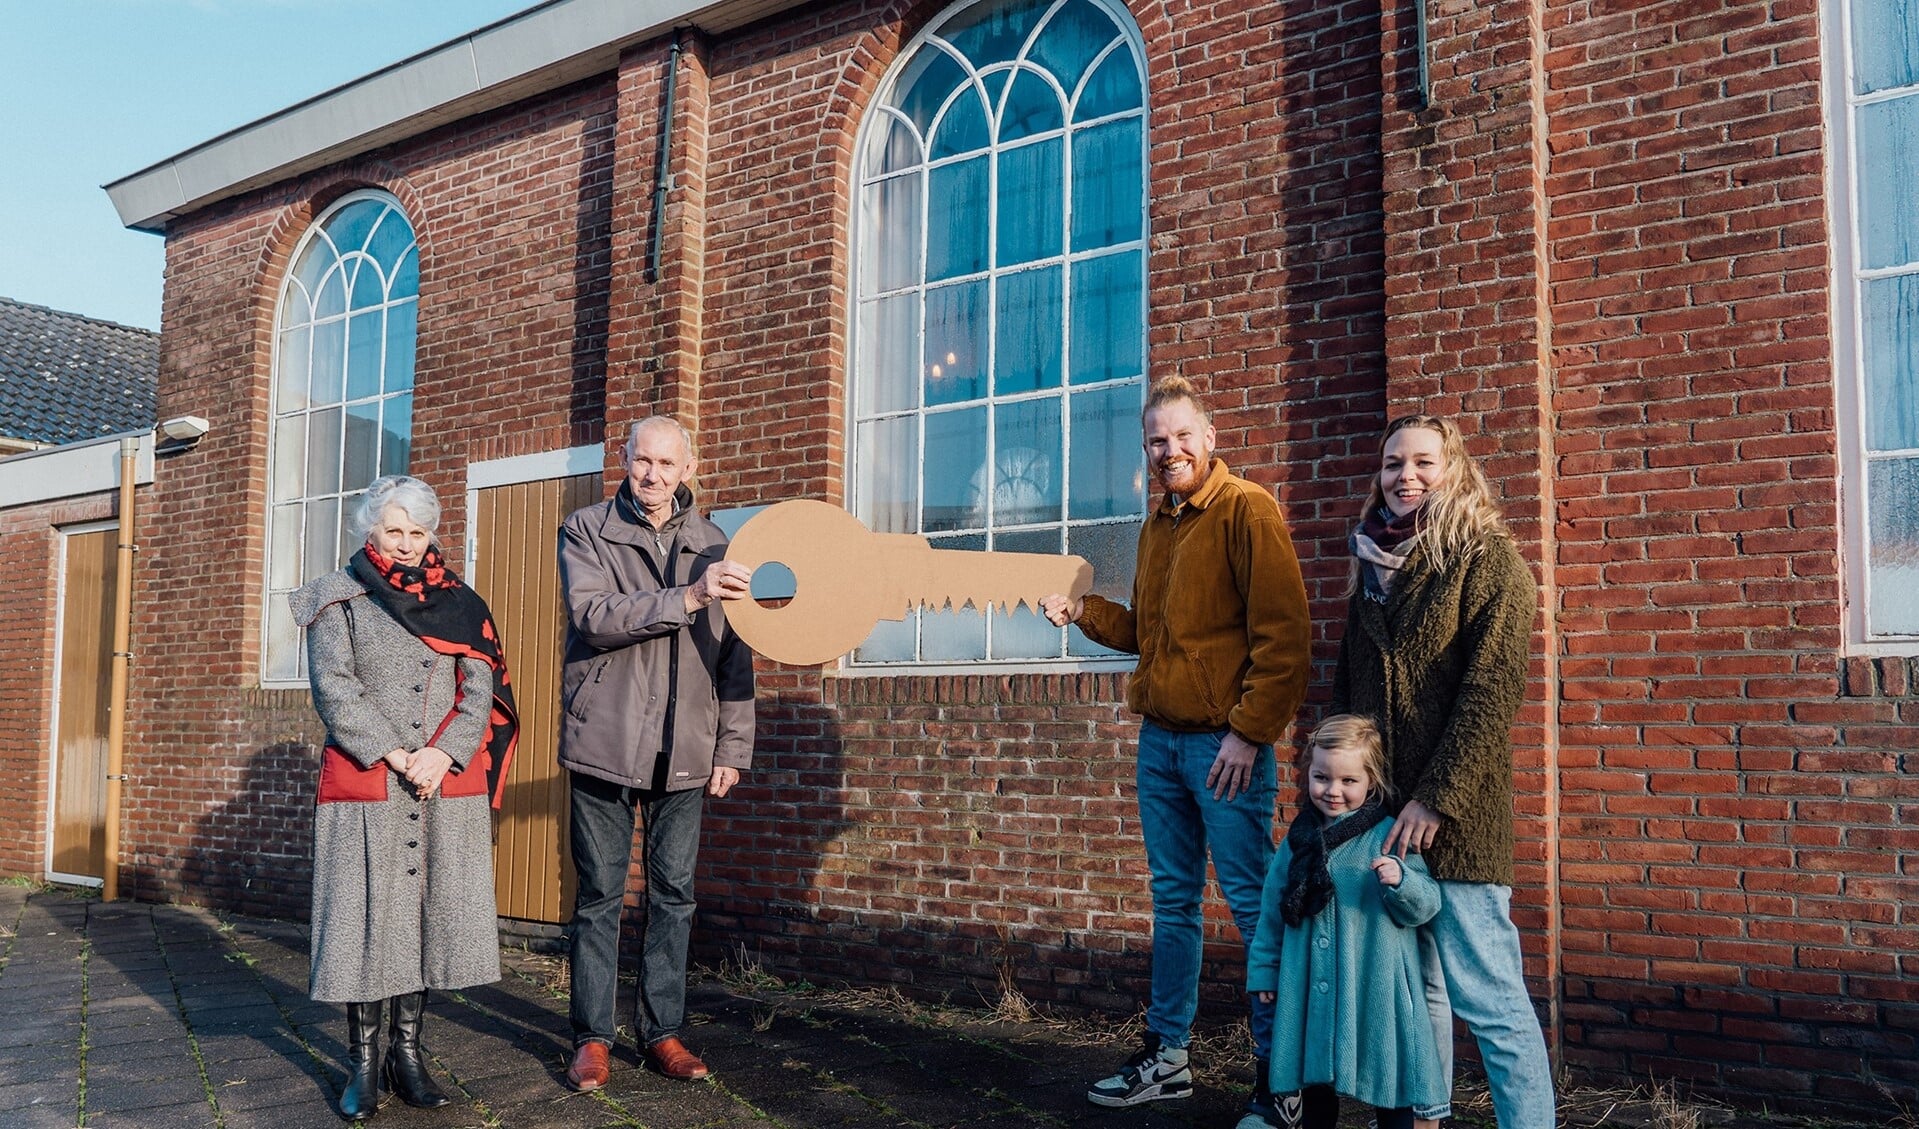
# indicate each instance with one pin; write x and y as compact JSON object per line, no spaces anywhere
{"x":1156,"y":1073}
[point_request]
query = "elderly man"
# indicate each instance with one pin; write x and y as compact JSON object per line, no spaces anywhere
{"x":658,"y":697}
{"x":1220,"y":624}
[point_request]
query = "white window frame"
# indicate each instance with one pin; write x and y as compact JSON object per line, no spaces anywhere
{"x":267,"y":591}
{"x":1847,"y":330}
{"x":880,"y":116}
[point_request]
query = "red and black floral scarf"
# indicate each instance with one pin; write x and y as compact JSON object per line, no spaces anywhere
{"x":436,"y":608}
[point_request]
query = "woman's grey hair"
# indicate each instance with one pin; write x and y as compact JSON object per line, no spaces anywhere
{"x":414,"y":497}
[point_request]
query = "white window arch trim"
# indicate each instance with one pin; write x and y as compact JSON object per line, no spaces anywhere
{"x":282,"y":657}
{"x":883,"y":115}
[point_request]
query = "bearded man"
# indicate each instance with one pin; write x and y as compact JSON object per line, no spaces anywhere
{"x":1220,"y":625}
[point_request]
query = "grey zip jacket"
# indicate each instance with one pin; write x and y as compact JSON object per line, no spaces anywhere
{"x":652,"y":697}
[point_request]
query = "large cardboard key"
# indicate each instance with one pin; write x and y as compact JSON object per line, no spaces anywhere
{"x":846,"y":579}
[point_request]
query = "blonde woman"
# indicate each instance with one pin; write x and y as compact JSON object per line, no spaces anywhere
{"x":1438,"y":634}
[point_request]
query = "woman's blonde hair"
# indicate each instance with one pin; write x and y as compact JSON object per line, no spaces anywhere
{"x":1350,"y":731}
{"x":1459,"y":515}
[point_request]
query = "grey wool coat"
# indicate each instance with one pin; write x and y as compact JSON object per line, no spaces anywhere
{"x":402,"y":888}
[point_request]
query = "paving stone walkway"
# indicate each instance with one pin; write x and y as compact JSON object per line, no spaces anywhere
{"x":165,"y":1017}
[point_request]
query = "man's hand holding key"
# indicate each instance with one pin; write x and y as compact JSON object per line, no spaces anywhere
{"x":722,"y":580}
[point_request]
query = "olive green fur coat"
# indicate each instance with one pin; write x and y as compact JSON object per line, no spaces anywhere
{"x":1441,"y":666}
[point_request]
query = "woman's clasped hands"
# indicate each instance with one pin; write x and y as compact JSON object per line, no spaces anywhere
{"x":424,"y":768}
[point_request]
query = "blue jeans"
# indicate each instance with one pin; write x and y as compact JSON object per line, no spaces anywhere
{"x":1470,"y":955}
{"x":602,"y":842}
{"x":1180,"y":818}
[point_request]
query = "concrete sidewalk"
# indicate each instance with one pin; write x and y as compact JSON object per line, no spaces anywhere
{"x":164,"y":1017}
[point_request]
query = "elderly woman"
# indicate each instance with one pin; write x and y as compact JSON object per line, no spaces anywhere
{"x":408,"y":676}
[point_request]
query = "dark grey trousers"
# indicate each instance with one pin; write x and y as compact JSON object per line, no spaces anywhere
{"x":602,"y":840}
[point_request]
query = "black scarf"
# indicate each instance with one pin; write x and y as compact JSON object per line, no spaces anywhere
{"x":435,"y":608}
{"x":1312,"y":839}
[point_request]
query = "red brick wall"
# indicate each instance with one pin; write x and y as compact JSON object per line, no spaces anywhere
{"x":513,"y":215}
{"x":1736,"y":802}
{"x":29,"y":559}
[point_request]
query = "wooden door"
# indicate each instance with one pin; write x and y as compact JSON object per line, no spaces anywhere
{"x":77,"y":850}
{"x":515,"y":567}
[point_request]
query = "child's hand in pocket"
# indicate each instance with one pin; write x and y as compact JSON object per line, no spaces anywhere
{"x":1388,"y":869}
{"x":1267,"y":997}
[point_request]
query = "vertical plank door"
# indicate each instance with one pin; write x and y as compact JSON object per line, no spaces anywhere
{"x":78,"y":847}
{"x":516,"y":569}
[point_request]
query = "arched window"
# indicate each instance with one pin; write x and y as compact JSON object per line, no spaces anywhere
{"x":1000,"y":307}
{"x":342,"y":397}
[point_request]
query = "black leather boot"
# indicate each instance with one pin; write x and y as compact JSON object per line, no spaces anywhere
{"x":406,"y":1073}
{"x":361,"y":1098}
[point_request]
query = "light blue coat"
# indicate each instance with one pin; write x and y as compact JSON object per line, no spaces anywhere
{"x":1352,"y":1003}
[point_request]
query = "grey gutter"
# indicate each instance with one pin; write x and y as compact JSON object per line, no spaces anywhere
{"x":543,"y":48}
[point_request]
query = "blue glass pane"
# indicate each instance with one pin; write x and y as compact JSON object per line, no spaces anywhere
{"x":1027,"y":444}
{"x":329,"y":362}
{"x":406,"y":280}
{"x":362,"y":445}
{"x":1888,"y":152}
{"x":294,"y":307}
{"x":1109,"y":473}
{"x":1027,"y":335}
{"x":995,"y":83}
{"x":1031,"y":106}
{"x":963,"y":129}
{"x":350,"y":226}
{"x":1113,"y":551}
{"x":401,"y":323}
{"x":954,"y":365}
{"x":924,"y":84}
{"x":1031,"y":202}
{"x":1892,"y":504}
{"x":1889,"y":315}
{"x":396,"y":433}
{"x":1108,"y":193}
{"x":1885,"y":44}
{"x":390,"y":240}
{"x":331,"y":301}
{"x":891,"y":641}
{"x":891,"y":146}
{"x":887,"y":376}
{"x":955,"y":470}
{"x":992,"y":32}
{"x":888,"y":464}
{"x":323,"y":453}
{"x":1023,"y":633}
{"x":1107,"y":335}
{"x":315,"y":258}
{"x":1071,"y":39}
{"x":369,"y":289}
{"x":947,"y":636}
{"x":364,"y":341}
{"x":290,"y":387}
{"x":890,"y":234}
{"x":956,"y":219}
{"x":1113,"y":87}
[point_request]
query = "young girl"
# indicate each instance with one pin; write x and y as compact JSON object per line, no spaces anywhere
{"x":1336,"y":944}
{"x":1438,"y":635}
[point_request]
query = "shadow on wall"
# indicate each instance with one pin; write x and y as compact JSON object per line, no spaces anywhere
{"x":252,"y":852}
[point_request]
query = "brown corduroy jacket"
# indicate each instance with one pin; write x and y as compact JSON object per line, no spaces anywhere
{"x":1219,"y":617}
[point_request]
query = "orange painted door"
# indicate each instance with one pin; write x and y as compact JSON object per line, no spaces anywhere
{"x":515,"y":567}
{"x":79,"y":800}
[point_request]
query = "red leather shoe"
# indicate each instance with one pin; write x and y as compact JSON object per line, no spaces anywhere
{"x":670,"y":1057}
{"x":589,"y":1067}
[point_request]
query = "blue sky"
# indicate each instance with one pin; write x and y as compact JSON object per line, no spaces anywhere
{"x":91,"y":90}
